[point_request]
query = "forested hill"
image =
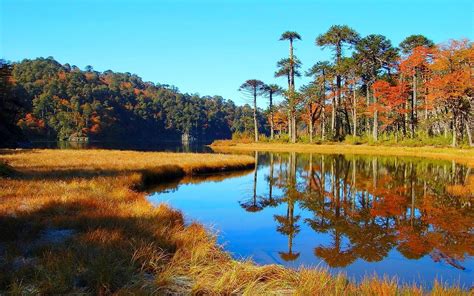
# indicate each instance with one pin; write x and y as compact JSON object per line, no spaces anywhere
{"x":47,"y":100}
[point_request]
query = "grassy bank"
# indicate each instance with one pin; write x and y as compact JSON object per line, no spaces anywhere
{"x":463,"y":156}
{"x":75,"y":221}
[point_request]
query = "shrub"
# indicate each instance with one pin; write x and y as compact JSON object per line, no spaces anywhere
{"x":6,"y":170}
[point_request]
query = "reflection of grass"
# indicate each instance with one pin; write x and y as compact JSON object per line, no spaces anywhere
{"x":463,"y":156}
{"x":119,"y":243}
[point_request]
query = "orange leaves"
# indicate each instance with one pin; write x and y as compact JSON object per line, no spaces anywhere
{"x":62,"y":75}
{"x":136,"y":91}
{"x":390,"y":100}
{"x":90,"y":76}
{"x":419,"y":59}
{"x":451,"y":71}
{"x":280,"y":120}
{"x":126,"y":85}
{"x":31,"y":122}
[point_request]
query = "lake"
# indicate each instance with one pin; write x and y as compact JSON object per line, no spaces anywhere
{"x":361,"y":215}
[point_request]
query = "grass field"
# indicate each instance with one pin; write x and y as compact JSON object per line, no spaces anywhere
{"x":76,"y":221}
{"x":462,"y":156}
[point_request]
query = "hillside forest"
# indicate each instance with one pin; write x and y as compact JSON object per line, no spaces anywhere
{"x":45,"y":100}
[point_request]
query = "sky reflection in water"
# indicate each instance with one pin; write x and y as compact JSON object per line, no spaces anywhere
{"x":409,"y":218}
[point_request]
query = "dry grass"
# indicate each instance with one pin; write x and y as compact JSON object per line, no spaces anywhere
{"x":462,"y":156}
{"x":118,"y":243}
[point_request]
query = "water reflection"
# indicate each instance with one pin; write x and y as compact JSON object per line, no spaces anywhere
{"x":404,"y":217}
{"x":371,"y":205}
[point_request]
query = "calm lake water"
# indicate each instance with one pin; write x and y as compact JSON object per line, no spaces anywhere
{"x":171,"y":146}
{"x":408,"y":218}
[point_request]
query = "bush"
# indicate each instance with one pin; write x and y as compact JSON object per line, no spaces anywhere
{"x":243,"y":137}
{"x":6,"y":170}
{"x":354,"y":140}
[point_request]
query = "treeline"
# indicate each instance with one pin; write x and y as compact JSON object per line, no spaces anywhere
{"x":42,"y":99}
{"x":372,"y":91}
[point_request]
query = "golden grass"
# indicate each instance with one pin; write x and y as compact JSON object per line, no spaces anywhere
{"x":121,"y":244}
{"x":462,"y":156}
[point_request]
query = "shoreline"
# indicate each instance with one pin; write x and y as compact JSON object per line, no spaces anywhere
{"x":461,"y":156}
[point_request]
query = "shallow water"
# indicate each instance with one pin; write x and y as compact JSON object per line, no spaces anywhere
{"x":389,"y":216}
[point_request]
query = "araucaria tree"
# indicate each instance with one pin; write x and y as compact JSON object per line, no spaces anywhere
{"x":271,"y":91}
{"x":322,"y":72}
{"x":375,"y":54}
{"x":253,"y":88}
{"x":338,"y":37}
{"x":291,"y":37}
{"x":420,"y":90}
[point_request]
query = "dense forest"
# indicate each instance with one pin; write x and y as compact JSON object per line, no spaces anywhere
{"x":44,"y":100}
{"x":372,"y":91}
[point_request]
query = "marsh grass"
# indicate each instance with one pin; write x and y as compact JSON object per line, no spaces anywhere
{"x":121,"y":244}
{"x":463,"y":156}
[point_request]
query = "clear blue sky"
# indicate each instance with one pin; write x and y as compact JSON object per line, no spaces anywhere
{"x":209,"y":47}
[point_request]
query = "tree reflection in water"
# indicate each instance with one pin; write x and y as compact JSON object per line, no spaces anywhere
{"x":371,"y":205}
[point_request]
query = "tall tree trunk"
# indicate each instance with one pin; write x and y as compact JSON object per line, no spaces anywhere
{"x":375,"y":130}
{"x":292,"y":98}
{"x":338,"y":131}
{"x":255,"y":114}
{"x":323,"y":122}
{"x":293,"y":125}
{"x":289,"y":125}
{"x":367,"y":123}
{"x":333,"y":116}
{"x":354,"y":113}
{"x":413,"y":106}
{"x":323,"y":110}
{"x":271,"y":115}
{"x":469,"y":134}
{"x":311,"y":128}
{"x":455,"y":130}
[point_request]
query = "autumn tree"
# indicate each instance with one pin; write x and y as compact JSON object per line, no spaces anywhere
{"x":416,"y":49}
{"x":452,"y":84}
{"x":311,"y":95}
{"x":374,"y":54}
{"x":338,"y":37}
{"x":322,"y":72}
{"x":389,"y":103}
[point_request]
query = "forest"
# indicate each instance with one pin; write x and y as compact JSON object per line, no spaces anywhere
{"x":45,"y":100}
{"x":418,"y":93}
{"x":373,"y":92}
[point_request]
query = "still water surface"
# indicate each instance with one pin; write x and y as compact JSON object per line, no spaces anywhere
{"x":388,"y":216}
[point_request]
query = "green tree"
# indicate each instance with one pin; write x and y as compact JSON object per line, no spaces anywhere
{"x":254,"y":88}
{"x":291,"y":37}
{"x":272,"y":90}
{"x":413,"y":41}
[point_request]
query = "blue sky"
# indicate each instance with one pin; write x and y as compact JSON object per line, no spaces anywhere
{"x":209,"y":47}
